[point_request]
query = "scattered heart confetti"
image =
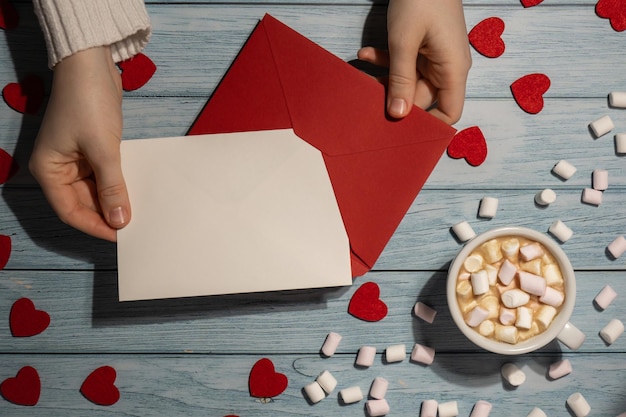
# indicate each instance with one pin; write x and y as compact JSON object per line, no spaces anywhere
{"x":24,"y":388}
{"x":8,"y":167}
{"x":486,"y":38}
{"x":528,"y":92}
{"x":9,"y":18}
{"x":136,"y":72}
{"x":25,"y":96}
{"x":530,"y":3}
{"x":615,"y":10}
{"x":264,"y":381}
{"x":5,"y":250}
{"x":470,"y":144}
{"x":366,"y":304}
{"x":27,"y":321}
{"x":99,"y":387}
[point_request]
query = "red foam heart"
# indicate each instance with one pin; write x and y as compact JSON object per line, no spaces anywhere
{"x":615,"y":10}
{"x":9,"y":18}
{"x":366,"y":304}
{"x":486,"y":38}
{"x":25,"y":96}
{"x":5,"y":250}
{"x":264,"y":381}
{"x":470,"y":144}
{"x":99,"y":387}
{"x":530,"y":3}
{"x":24,"y":388}
{"x":8,"y":166}
{"x":27,"y":321}
{"x":528,"y":92}
{"x":136,"y":72}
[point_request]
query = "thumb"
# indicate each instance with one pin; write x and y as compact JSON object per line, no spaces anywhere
{"x":111,"y":187}
{"x":402,"y":81}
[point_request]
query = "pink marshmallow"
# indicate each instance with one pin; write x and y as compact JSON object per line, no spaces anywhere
{"x":423,"y":354}
{"x":531,"y":283}
{"x":482,"y":408}
{"x":477,"y":316}
{"x":560,"y":369}
{"x":424,"y":312}
{"x":507,"y":316}
{"x":592,"y":196}
{"x":617,"y":247}
{"x":530,"y":252}
{"x":507,"y":272}
{"x":605,"y":297}
{"x":376,"y":408}
{"x":429,"y":408}
{"x":552,"y":297}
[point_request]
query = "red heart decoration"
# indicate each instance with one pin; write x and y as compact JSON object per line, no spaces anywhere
{"x":470,"y":144}
{"x":486,"y":38}
{"x":27,"y":321}
{"x":136,"y":72}
{"x":264,"y":381}
{"x":530,"y":3}
{"x":24,"y":388}
{"x":5,"y":250}
{"x":25,"y":96}
{"x":528,"y":92}
{"x":366,"y":304}
{"x":99,"y":387}
{"x":9,"y":18}
{"x":8,"y":167}
{"x":615,"y":10}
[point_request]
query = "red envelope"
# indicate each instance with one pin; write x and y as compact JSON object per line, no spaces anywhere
{"x":377,"y":165}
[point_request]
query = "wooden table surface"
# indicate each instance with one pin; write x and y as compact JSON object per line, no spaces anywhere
{"x":192,"y":357}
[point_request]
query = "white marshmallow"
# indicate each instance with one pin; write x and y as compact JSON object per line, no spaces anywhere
{"x":376,"y":408}
{"x":617,"y":99}
{"x":544,"y":316}
{"x":429,"y":408}
{"x":552,"y":274}
{"x":537,"y":412}
{"x":514,"y":298}
{"x":378,"y":390}
{"x":545,"y":197}
{"x":482,"y":408}
{"x":579,"y":406}
{"x":365,"y":357}
{"x":463,"y":231}
{"x":601,"y":126}
{"x":448,"y":409}
{"x":507,"y":272}
{"x":605,"y":297}
{"x":488,"y":207}
{"x":507,"y":316}
{"x":507,"y":334}
{"x":327,"y":381}
{"x":473,"y":263}
{"x":510,"y":247}
{"x":531,"y":283}
{"x":480,"y":282}
{"x":552,"y":297}
{"x":314,"y":392}
{"x":564,"y":169}
{"x":620,"y":143}
{"x":512,"y":374}
{"x":423,"y":354}
{"x":491,"y":250}
{"x":560,"y":231}
{"x":612,"y":331}
{"x":492,"y":274}
{"x":424,"y":312}
{"x":477,"y":316}
{"x":571,"y":336}
{"x":559,"y":369}
{"x":487,"y":328}
{"x":330,"y":344}
{"x":524,"y":318}
{"x":592,"y":196}
{"x":531,"y":251}
{"x":617,"y":247}
{"x":351,"y":395}
{"x":395,"y":353}
{"x":600,"y":179}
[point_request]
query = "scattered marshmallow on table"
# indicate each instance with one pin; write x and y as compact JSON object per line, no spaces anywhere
{"x":560,"y":231}
{"x":351,"y":395}
{"x":600,"y":179}
{"x":378,"y":390}
{"x":314,"y":392}
{"x":592,"y":196}
{"x":376,"y":408}
{"x":537,"y":412}
{"x":579,"y":405}
{"x":448,"y":409}
{"x":429,"y":408}
{"x":366,"y":356}
{"x":395,"y":353}
{"x":545,"y":197}
{"x":512,"y":374}
{"x":564,"y":169}
{"x":463,"y":231}
{"x":424,"y":312}
{"x":423,"y":354}
{"x":617,"y":247}
{"x":327,"y":381}
{"x":482,"y":408}
{"x":560,"y":369}
{"x":605,"y":297}
{"x":571,"y":335}
{"x":620,"y":143}
{"x":612,"y":331}
{"x":617,"y":99}
{"x":488,"y":207}
{"x":331,"y":343}
{"x":602,"y":126}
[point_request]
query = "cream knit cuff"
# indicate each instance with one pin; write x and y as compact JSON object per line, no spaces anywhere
{"x":70,"y":26}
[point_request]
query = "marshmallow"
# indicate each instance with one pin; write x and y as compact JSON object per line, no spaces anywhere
{"x":617,"y":247}
{"x":510,"y":248}
{"x":473,"y":263}
{"x":507,"y":272}
{"x":448,"y":409}
{"x":365,"y":357}
{"x":491,"y":304}
{"x":530,"y":252}
{"x":564,"y":169}
{"x":482,"y":408}
{"x":507,"y":316}
{"x":620,"y":143}
{"x":492,"y":251}
{"x":463,"y":231}
{"x":492,"y":274}
{"x":537,"y":412}
{"x":477,"y":316}
{"x":515,"y":298}
{"x":622,"y":415}
{"x":512,"y":374}
{"x":395,"y":353}
{"x":507,"y":334}
{"x":544,"y":316}
{"x":379,"y":388}
{"x":314,"y":392}
{"x":330,"y":344}
{"x":423,"y":354}
{"x":488,"y":207}
{"x":560,"y":231}
{"x":376,"y":408}
{"x":327,"y":381}
{"x":617,"y":99}
{"x":429,"y":408}
{"x":571,"y":336}
{"x":559,"y":369}
{"x":351,"y":395}
{"x":579,"y":406}
{"x":552,"y":297}
{"x":487,"y":328}
{"x":480,"y":282}
{"x":600,"y":179}
{"x":552,"y":274}
{"x":531,"y":283}
{"x":424,"y":312}
{"x":605,"y":297}
{"x":601,"y":126}
{"x":545,"y":197}
{"x":524,"y":318}
{"x":612,"y":331}
{"x":592,"y":196}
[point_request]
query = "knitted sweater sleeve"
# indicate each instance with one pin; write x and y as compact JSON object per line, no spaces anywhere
{"x":70,"y":26}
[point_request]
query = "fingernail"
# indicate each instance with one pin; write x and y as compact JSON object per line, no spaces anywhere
{"x":397,"y":107}
{"x":117,"y":216}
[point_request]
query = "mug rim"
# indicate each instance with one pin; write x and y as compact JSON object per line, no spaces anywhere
{"x":535,"y":342}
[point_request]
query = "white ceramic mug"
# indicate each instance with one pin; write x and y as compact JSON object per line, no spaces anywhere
{"x":560,"y":328}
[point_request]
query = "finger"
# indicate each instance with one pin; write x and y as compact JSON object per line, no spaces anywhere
{"x":425,"y":93}
{"x":450,"y":104}
{"x":374,"y":56}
